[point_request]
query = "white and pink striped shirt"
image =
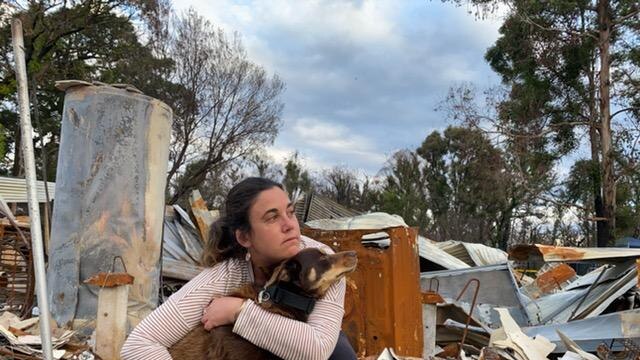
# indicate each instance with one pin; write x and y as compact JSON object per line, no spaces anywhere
{"x":284,"y":337}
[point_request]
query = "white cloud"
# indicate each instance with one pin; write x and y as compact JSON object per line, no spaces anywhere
{"x":309,"y":162}
{"x":336,"y":138}
{"x":362,"y":76}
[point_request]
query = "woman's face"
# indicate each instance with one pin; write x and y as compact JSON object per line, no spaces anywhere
{"x":275,"y":233}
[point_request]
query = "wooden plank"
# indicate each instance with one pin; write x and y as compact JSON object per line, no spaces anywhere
{"x":111,"y":322}
{"x":203,"y":217}
{"x":429,"y":321}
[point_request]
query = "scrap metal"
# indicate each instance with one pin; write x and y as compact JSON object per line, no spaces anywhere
{"x":558,"y":253}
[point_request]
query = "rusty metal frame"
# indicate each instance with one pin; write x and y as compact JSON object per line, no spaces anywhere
{"x":17,"y":279}
{"x":383,"y":303}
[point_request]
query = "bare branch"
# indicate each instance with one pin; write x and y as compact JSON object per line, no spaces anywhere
{"x":624,"y":110}
{"x":530,"y":21}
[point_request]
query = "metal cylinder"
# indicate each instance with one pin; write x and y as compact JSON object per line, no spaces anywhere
{"x":110,"y":192}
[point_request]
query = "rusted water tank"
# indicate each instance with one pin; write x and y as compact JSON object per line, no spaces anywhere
{"x":110,"y":185}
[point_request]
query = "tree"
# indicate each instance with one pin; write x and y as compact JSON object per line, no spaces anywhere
{"x":342,"y":186}
{"x":230,"y":108}
{"x":403,"y":190}
{"x":468,"y":184}
{"x":558,"y":57}
{"x":528,"y":161}
{"x":296,"y":180}
{"x":69,"y":40}
{"x":266,"y":167}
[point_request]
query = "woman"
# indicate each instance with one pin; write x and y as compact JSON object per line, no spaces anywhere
{"x":258,"y":230}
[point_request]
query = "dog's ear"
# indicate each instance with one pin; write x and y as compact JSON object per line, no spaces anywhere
{"x":293,"y":267}
{"x":280,"y":273}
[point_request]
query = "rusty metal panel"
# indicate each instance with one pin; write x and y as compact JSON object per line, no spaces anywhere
{"x":549,"y":280}
{"x":110,"y":186}
{"x":383,"y":305}
{"x":560,"y":253}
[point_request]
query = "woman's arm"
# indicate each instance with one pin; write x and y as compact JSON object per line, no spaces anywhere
{"x":292,"y":339}
{"x":155,"y":333}
{"x":174,"y":319}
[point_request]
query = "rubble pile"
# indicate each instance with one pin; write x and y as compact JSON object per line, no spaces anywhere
{"x":478,"y":302}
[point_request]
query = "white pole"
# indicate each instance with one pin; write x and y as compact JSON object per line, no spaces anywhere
{"x":30,"y":174}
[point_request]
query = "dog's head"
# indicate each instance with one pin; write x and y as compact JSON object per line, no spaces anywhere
{"x":313,"y":271}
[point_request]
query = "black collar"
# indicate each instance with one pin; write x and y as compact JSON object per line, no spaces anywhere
{"x":282,"y":294}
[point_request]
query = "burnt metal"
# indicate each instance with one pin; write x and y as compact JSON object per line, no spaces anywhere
{"x":473,"y":305}
{"x":110,"y":197}
{"x":432,"y":296}
{"x":17,"y":278}
{"x":383,"y":300}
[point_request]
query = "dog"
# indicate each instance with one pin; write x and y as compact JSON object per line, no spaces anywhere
{"x":306,"y":277}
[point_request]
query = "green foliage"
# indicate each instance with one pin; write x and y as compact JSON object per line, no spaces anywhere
{"x":549,"y":55}
{"x":403,"y":190}
{"x":296,"y":179}
{"x":77,"y":40}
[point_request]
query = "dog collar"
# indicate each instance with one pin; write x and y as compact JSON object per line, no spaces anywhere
{"x":278,"y":294}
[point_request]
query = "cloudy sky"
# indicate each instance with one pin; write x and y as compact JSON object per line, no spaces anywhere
{"x":362,"y":77}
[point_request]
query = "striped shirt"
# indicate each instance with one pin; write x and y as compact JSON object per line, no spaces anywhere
{"x":284,"y":337}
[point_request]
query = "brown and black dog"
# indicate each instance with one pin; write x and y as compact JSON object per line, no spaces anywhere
{"x":309,"y":274}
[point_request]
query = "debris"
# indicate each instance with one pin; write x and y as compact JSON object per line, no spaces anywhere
{"x":590,"y":333}
{"x":111,"y":319}
{"x":389,"y":354}
{"x":512,"y":337}
{"x":498,"y":288}
{"x":550,"y":279}
{"x":558,"y":253}
{"x":28,"y":343}
{"x":181,"y":245}
{"x":474,"y":254}
{"x":201,"y":213}
{"x":573,"y":347}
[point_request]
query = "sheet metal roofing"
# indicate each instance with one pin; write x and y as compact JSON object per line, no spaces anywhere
{"x":15,"y":190}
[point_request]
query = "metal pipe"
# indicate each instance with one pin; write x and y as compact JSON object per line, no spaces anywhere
{"x":595,"y":283}
{"x":30,"y":174}
{"x":473,"y":306}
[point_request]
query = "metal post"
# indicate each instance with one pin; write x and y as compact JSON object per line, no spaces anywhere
{"x":30,"y":174}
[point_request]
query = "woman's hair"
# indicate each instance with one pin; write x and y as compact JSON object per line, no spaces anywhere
{"x":222,"y":244}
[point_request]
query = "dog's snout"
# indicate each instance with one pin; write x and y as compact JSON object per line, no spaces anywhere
{"x":349,"y":259}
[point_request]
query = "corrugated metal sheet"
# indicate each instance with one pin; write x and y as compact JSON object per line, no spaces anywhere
{"x":181,"y":246}
{"x":427,"y":249}
{"x":377,"y":220}
{"x":433,"y":253}
{"x":15,"y":190}
{"x":314,"y":207}
{"x":559,"y":307}
{"x":456,"y":249}
{"x":497,"y":288}
{"x":589,"y":333}
{"x":559,"y":253}
{"x":474,"y":254}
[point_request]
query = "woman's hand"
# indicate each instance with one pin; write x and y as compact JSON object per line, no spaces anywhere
{"x":221,"y":311}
